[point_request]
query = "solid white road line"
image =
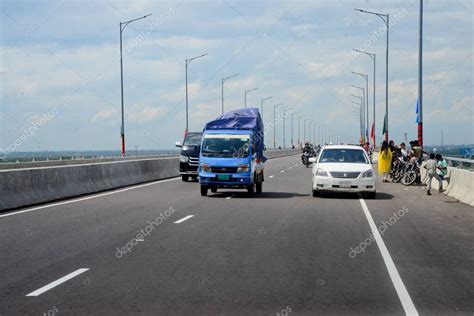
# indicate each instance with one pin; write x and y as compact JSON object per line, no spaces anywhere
{"x":282,"y":171}
{"x":271,"y":176}
{"x":402,"y":292}
{"x":183,"y":219}
{"x":57,"y":282}
{"x":87,"y":197}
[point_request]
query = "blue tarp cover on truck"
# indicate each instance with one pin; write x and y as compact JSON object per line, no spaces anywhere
{"x":242,"y":119}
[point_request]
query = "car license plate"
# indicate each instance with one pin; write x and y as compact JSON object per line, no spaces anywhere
{"x":345,"y":184}
{"x":223,"y":177}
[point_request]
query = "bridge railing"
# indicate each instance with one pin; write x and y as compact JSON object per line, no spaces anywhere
{"x":462,"y":163}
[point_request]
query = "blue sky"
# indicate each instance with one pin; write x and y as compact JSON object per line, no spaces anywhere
{"x":60,"y":59}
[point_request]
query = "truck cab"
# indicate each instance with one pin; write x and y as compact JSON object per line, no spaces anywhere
{"x":189,"y":155}
{"x":232,"y":157}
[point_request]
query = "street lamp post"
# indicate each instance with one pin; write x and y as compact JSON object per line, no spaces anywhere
{"x":386,"y":19}
{"x":261,"y":104}
{"x":304,"y":129}
{"x":299,"y":120}
{"x":372,"y":56}
{"x":274,"y":127}
{"x":123,"y":25}
{"x":366,"y":98}
{"x":188,"y":61}
{"x":245,"y":95}
{"x":224,"y":80}
{"x":420,"y":78}
{"x":361,"y":112}
{"x":292,"y":114}
{"x":358,"y":111}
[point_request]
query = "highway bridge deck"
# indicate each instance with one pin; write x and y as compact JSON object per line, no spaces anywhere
{"x":280,"y":252}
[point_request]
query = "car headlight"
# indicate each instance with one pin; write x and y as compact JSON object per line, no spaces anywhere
{"x":183,"y":158}
{"x":205,"y":167}
{"x":243,"y":168}
{"x":321,"y":173}
{"x":368,"y":174}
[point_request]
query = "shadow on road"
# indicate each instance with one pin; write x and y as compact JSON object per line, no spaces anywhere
{"x":263,"y":195}
{"x":349,"y":196}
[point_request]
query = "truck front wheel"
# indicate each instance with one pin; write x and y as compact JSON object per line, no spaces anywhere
{"x":259,"y":184}
{"x":204,"y":189}
{"x":251,"y":189}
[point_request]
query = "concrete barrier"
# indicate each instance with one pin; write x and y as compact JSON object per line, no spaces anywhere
{"x":459,"y":184}
{"x":30,"y":186}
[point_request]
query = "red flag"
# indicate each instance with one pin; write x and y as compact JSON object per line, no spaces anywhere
{"x":372,"y":133}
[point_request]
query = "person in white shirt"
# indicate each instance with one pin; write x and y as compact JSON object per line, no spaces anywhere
{"x":430,"y":167}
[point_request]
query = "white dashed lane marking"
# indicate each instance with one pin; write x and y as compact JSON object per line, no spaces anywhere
{"x":51,"y":285}
{"x":179,"y":221}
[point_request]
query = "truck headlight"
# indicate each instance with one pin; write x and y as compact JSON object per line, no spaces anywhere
{"x":321,"y":173}
{"x":183,"y":158}
{"x":368,"y":174}
{"x":243,"y":168}
{"x":205,"y":167}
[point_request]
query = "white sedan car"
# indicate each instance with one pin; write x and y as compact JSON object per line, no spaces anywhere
{"x":343,"y":168}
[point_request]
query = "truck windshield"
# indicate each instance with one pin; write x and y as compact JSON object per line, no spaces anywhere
{"x":225,"y":146}
{"x":193,"y":140}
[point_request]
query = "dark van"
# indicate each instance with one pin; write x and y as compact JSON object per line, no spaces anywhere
{"x":189,"y":156}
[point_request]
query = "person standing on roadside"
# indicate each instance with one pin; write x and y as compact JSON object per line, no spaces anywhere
{"x":441,"y":169}
{"x":385,"y":161}
{"x":430,"y":167}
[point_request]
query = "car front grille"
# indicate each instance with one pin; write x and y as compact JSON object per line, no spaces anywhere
{"x":224,"y":169}
{"x":345,"y":175}
{"x":194,"y":161}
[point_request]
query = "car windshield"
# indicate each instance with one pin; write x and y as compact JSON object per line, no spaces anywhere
{"x":225,"y":145}
{"x":341,"y":155}
{"x":193,"y":140}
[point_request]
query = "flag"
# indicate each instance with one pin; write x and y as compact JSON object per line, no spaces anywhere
{"x":417,"y":111}
{"x":384,"y":130}
{"x":372,"y":133}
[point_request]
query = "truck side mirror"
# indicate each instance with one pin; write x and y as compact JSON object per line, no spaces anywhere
{"x":178,"y":144}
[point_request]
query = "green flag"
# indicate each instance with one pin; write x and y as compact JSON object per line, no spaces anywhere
{"x":384,"y":130}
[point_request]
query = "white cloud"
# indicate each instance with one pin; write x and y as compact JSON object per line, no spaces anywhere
{"x":105,"y":115}
{"x":145,"y":113}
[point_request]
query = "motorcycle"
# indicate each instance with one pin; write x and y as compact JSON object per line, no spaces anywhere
{"x":398,"y":169}
{"x":305,"y":158}
{"x":410,"y":173}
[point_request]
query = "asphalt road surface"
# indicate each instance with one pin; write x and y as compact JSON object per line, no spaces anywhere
{"x":162,"y":249}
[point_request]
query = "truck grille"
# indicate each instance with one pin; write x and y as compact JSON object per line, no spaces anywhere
{"x":345,"y":175}
{"x":194,"y":161}
{"x":224,"y":169}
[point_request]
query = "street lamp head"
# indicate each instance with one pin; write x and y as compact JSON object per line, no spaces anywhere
{"x":226,"y":78}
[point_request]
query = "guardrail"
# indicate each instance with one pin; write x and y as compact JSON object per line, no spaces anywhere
{"x":462,"y":163}
{"x":22,"y":186}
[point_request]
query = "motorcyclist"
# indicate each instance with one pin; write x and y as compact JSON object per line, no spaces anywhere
{"x":307,"y":149}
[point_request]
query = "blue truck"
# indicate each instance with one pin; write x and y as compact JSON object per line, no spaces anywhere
{"x":231,"y":154}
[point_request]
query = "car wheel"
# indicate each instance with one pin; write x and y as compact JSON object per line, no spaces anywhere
{"x":315,"y":193}
{"x":213,"y":189}
{"x":185,"y":178}
{"x":204,"y":189}
{"x":194,"y":178}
